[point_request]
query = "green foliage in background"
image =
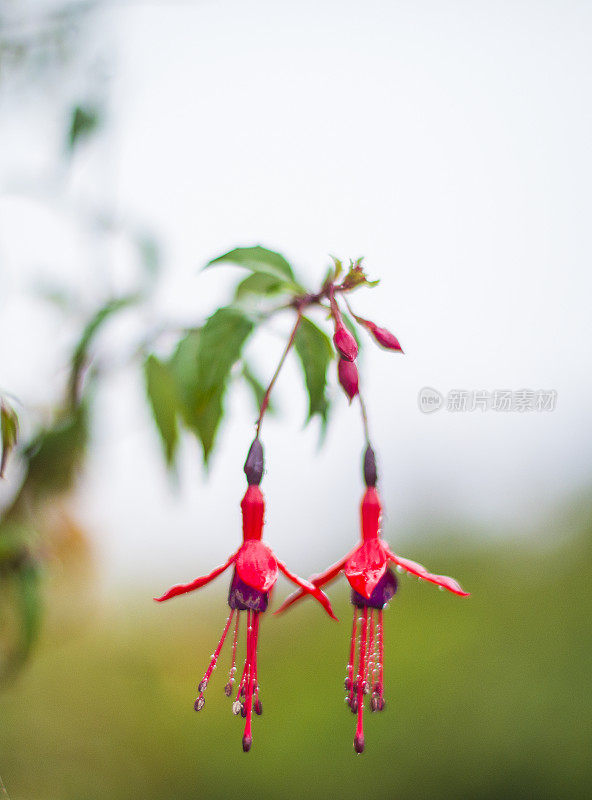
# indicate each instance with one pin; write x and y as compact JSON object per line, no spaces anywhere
{"x":486,"y":699}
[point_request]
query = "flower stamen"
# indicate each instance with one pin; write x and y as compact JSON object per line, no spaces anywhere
{"x":359,"y":737}
{"x":200,"y":702}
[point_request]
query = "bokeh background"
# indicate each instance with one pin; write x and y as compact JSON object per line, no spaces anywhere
{"x":448,"y":143}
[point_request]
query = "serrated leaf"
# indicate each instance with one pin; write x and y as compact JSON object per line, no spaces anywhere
{"x":201,"y":366}
{"x":162,"y":395}
{"x":257,"y":389}
{"x":316,"y":353}
{"x":259,"y":260}
{"x":8,"y":433}
{"x":259,"y":283}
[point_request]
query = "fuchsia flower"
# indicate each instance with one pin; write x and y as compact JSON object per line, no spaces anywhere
{"x":255,"y":574}
{"x":373,"y":584}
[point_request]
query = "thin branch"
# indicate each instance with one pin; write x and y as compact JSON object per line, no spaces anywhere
{"x":288,"y":347}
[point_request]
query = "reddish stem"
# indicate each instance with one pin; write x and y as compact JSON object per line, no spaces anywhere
{"x":288,"y":347}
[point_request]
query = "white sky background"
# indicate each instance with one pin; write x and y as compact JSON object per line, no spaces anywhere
{"x":448,"y":142}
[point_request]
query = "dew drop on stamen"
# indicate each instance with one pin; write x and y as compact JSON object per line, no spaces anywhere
{"x":236,"y":707}
{"x":199,"y":703}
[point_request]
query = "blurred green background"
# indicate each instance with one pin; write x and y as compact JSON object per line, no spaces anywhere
{"x":487,"y":697}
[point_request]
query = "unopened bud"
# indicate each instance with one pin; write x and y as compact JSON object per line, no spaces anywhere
{"x":381,"y":704}
{"x":354,"y":705}
{"x":345,"y":343}
{"x":247,"y":742}
{"x":348,"y":684}
{"x":202,"y":685}
{"x":228,"y":689}
{"x":254,"y":464}
{"x":365,"y":688}
{"x":258,"y":707}
{"x":370,"y":476}
{"x":374,"y":704}
{"x":359,"y":743}
{"x":348,"y":377}
{"x":199,"y":703}
{"x":384,"y":338}
{"x":243,"y":711}
{"x":236,"y":707}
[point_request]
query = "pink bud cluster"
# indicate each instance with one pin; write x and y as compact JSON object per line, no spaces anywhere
{"x":347,"y":347}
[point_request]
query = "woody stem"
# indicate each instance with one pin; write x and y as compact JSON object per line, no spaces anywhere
{"x":288,"y":347}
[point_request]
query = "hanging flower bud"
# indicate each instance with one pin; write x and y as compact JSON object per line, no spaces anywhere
{"x":254,"y":464}
{"x":348,"y":377}
{"x":381,"y":335}
{"x":345,"y":343}
{"x":384,"y":338}
{"x":370,"y":476}
{"x":343,"y":340}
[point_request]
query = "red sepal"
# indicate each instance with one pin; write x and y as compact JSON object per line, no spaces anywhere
{"x":183,"y":588}
{"x":319,"y":580}
{"x":256,"y":565}
{"x":366,"y":567}
{"x":309,"y":588}
{"x":421,"y":572}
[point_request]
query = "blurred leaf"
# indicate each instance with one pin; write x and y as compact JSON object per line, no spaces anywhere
{"x":30,"y":608}
{"x":149,"y":251}
{"x":316,"y":353}
{"x":259,"y":283}
{"x":8,"y":432}
{"x":84,"y":120}
{"x":259,"y":260}
{"x":201,"y":366}
{"x":55,"y":454}
{"x":80,"y":355}
{"x":257,"y":388}
{"x":163,"y":397}
{"x":20,"y":600}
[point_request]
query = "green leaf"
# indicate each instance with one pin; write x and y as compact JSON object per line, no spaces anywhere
{"x":201,"y":366}
{"x":257,"y":388}
{"x":56,"y":453}
{"x":80,"y":355}
{"x":259,"y":260}
{"x":259,"y":283}
{"x":315,"y":351}
{"x":20,"y":593}
{"x":162,"y":394}
{"x":8,"y":433}
{"x":84,"y":121}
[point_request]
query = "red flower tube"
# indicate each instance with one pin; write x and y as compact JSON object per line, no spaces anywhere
{"x":373,"y":584}
{"x":256,"y":570}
